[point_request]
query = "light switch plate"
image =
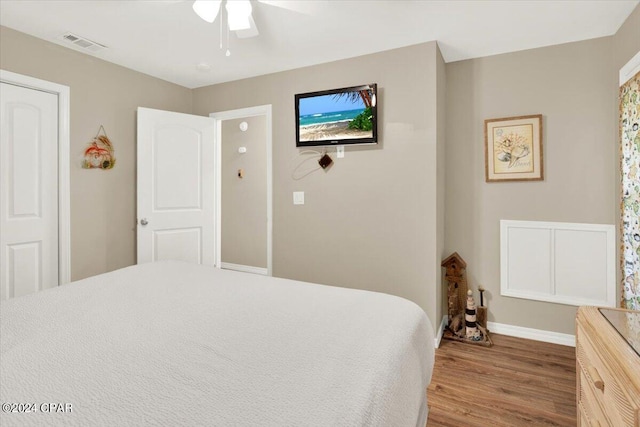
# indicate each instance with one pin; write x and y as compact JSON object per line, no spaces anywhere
{"x":340,"y":151}
{"x":298,"y":197}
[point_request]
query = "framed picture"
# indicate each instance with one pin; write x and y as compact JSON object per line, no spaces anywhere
{"x":513,"y":149}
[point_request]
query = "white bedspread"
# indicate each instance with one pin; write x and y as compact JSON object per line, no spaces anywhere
{"x":175,"y":344}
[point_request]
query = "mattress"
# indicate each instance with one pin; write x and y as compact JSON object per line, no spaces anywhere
{"x":171,"y":344}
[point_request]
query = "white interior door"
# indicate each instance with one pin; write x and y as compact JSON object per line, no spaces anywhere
{"x":28,"y":191}
{"x":176,"y":187}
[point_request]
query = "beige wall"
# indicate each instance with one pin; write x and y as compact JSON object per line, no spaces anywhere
{"x":368,"y":222}
{"x":626,"y":41}
{"x":571,"y":86}
{"x":441,"y":100}
{"x":102,"y":202}
{"x":379,"y":218}
{"x":244,"y":200}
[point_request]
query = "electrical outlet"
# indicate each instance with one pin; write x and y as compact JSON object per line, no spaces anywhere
{"x":298,"y":197}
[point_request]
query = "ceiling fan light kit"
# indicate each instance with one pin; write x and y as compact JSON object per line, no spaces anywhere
{"x":239,"y":17}
{"x":207,"y":9}
{"x":238,"y":12}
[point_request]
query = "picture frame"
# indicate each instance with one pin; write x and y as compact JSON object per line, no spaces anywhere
{"x":513,"y":149}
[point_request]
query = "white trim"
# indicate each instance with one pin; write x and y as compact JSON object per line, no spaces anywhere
{"x":517,"y":331}
{"x":244,"y":268}
{"x":261,"y":110}
{"x":64,"y":224}
{"x":610,"y":263}
{"x":443,"y":324}
{"x":532,"y":334}
{"x":630,"y":69}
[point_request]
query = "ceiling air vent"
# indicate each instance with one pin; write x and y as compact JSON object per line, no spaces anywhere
{"x":83,"y":43}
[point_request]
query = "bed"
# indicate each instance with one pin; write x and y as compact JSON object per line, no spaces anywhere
{"x":174,"y":344}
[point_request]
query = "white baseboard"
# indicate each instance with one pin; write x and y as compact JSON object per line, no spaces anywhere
{"x":532,"y":334}
{"x":443,"y":324}
{"x":517,"y":331}
{"x":244,"y":268}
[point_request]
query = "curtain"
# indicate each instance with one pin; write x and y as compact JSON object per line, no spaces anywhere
{"x":630,"y":171}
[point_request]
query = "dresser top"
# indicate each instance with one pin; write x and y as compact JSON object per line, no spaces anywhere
{"x":627,"y":323}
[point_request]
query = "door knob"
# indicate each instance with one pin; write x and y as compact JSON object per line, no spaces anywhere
{"x":144,"y":221}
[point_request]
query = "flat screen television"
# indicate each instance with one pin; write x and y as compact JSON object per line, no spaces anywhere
{"x":337,"y":117}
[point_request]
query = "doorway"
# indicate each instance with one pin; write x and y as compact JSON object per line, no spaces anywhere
{"x":244,"y":194}
{"x":34,"y":190}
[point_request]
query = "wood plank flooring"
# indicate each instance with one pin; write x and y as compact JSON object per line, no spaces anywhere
{"x":517,"y":382}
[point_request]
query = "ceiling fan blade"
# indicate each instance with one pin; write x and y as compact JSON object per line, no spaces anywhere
{"x":303,"y":7}
{"x":252,"y":31}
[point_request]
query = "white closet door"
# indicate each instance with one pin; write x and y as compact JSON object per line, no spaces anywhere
{"x":176,"y":186}
{"x":28,"y":191}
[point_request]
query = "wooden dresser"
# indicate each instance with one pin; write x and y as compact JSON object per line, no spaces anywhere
{"x":608,"y":367}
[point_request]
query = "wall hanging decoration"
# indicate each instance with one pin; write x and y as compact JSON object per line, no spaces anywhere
{"x":100,"y":153}
{"x":513,"y":149}
{"x":630,"y":172}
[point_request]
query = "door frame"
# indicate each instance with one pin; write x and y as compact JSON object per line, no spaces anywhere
{"x":260,"y":110}
{"x":64,"y":223}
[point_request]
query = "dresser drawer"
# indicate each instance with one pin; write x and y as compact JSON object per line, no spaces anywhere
{"x":591,"y":413}
{"x":585,"y":420}
{"x":598,"y":379}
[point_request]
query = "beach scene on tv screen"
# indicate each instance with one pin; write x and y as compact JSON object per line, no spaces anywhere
{"x":344,"y":115}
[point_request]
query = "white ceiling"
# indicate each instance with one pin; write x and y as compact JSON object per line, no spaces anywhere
{"x":166,"y":39}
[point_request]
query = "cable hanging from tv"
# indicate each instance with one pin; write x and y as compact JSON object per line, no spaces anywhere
{"x":323,"y":159}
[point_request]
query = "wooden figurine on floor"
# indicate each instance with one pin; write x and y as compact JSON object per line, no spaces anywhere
{"x":481,"y":310}
{"x":473,"y":333}
{"x":467,"y":323}
{"x":456,"y":277}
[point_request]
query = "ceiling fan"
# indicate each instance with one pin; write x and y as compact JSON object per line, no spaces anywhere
{"x":239,"y":16}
